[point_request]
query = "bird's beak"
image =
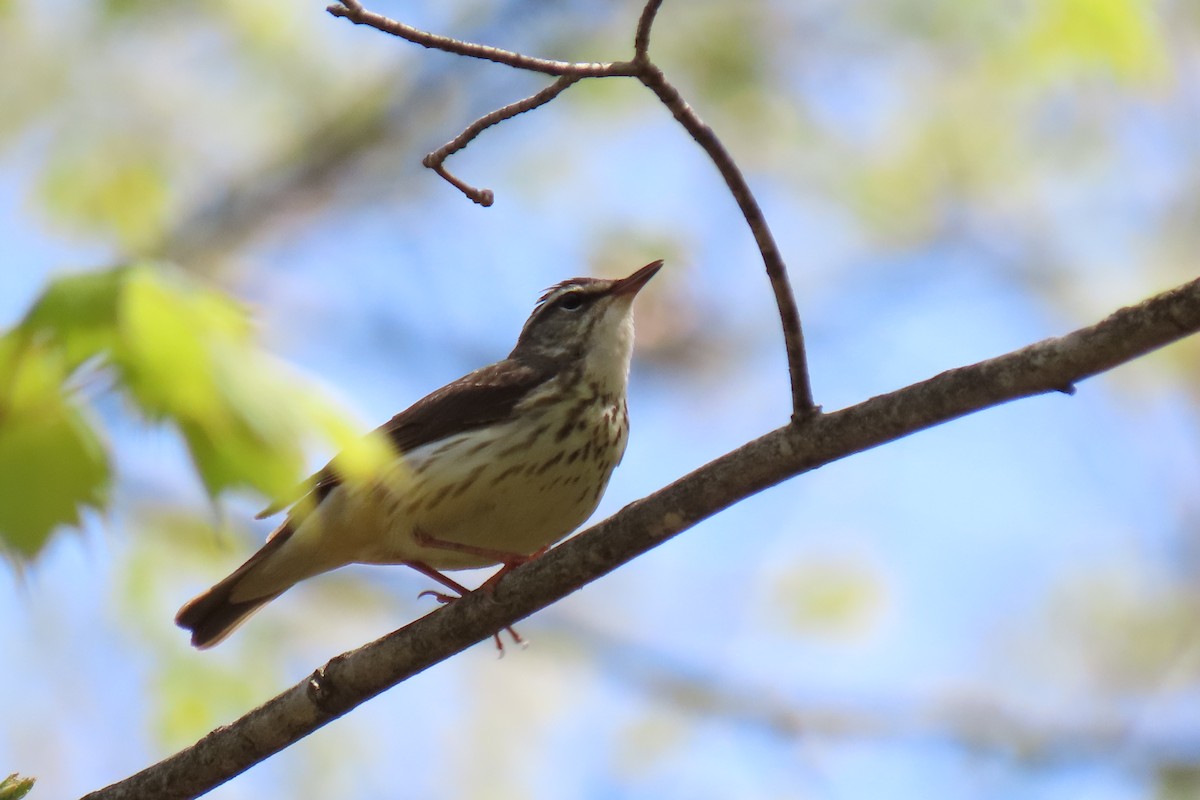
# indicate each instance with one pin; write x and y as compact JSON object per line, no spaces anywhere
{"x":633,"y":284}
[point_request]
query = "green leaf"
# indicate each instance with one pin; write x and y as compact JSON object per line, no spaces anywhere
{"x":164,"y":350}
{"x":52,"y":463}
{"x":184,"y":353}
{"x":79,"y":313}
{"x":108,"y":187}
{"x":14,"y":787}
{"x":1073,"y":36}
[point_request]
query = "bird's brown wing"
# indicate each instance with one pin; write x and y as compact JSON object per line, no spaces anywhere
{"x":480,"y":398}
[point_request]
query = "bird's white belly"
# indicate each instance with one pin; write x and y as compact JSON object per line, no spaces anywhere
{"x":510,"y":490}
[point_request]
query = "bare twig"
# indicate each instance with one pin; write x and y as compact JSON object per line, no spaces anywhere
{"x":354,"y":12}
{"x":803,"y":406}
{"x":435,"y":160}
{"x":352,"y":678}
{"x":641,"y":40}
{"x":484,"y":197}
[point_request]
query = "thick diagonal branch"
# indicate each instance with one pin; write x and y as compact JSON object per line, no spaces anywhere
{"x":351,"y":679}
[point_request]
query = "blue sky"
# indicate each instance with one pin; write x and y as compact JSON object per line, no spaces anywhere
{"x":998,"y":563}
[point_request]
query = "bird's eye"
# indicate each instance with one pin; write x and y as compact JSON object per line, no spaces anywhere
{"x":571,"y":302}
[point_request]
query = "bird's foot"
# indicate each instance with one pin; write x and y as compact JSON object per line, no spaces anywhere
{"x":446,"y":599}
{"x":509,"y":563}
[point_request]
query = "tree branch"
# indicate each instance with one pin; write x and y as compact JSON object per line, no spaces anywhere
{"x":641,"y":39}
{"x":435,"y":160}
{"x":789,"y":316}
{"x":354,"y":11}
{"x":354,"y":677}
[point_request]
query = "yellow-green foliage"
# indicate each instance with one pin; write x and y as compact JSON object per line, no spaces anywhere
{"x":182,"y":352}
{"x":14,"y":787}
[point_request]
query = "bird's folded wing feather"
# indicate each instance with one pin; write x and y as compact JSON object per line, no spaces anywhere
{"x":480,"y":398}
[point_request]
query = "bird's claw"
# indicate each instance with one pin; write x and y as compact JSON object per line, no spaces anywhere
{"x":441,"y":597}
{"x":446,"y":599}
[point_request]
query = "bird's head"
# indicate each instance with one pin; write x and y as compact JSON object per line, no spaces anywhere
{"x":586,"y":322}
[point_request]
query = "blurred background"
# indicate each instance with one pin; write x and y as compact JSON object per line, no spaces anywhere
{"x":1005,"y":606}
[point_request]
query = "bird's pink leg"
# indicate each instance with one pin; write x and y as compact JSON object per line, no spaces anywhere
{"x":463,"y":591}
{"x":510,"y":560}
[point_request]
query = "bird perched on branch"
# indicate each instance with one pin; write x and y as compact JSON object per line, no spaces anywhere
{"x":493,"y":468}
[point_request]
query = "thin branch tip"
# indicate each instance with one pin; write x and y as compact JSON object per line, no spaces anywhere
{"x":483,"y":197}
{"x":355,"y":12}
{"x":345,"y":8}
{"x":436,"y":160}
{"x":641,"y":39}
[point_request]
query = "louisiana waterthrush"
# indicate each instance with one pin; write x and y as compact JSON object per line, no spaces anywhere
{"x":490,"y":469}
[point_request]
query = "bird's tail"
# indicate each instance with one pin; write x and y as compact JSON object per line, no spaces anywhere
{"x":215,"y":614}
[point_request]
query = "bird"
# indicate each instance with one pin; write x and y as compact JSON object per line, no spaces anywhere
{"x":493,"y":468}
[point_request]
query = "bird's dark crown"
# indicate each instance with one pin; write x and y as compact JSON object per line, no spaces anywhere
{"x":567,"y":315}
{"x":595,"y":286}
{"x":559,"y":309}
